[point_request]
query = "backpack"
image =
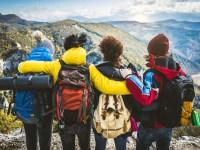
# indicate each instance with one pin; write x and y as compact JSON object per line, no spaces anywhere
{"x":73,"y":94}
{"x":31,"y":105}
{"x":170,"y":101}
{"x":111,"y":117}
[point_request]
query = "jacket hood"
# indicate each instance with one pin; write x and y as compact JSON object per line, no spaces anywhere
{"x":75,"y":56}
{"x":170,"y":73}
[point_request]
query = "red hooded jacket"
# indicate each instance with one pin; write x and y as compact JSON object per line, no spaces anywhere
{"x":148,"y":91}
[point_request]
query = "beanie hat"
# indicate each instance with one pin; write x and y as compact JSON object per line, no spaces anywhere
{"x":159,"y":45}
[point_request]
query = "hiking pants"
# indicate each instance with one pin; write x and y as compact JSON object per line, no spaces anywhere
{"x":145,"y":137}
{"x":120,"y":142}
{"x":42,"y":131}
{"x":67,"y":135}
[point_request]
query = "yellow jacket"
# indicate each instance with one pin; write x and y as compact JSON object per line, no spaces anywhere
{"x":76,"y":56}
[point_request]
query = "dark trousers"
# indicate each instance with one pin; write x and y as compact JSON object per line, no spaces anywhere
{"x":145,"y":137}
{"x":42,"y":131}
{"x":68,"y":133}
{"x":120,"y":142}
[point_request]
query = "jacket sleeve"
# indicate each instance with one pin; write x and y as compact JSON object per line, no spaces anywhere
{"x":51,"y":67}
{"x":142,"y":91}
{"x":106,"y":85}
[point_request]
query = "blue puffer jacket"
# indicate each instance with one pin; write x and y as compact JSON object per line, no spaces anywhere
{"x":40,"y":54}
{"x":24,"y":106}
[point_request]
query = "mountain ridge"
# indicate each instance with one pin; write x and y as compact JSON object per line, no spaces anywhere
{"x":135,"y":47}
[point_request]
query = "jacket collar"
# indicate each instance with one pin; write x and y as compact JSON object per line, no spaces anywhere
{"x":170,"y":73}
{"x":75,"y":56}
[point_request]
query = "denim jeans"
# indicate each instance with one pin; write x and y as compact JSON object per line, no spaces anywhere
{"x":68,"y":136}
{"x":43,"y":131}
{"x":145,"y":137}
{"x":120,"y":142}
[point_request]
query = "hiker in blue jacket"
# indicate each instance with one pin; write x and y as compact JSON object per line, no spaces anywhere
{"x":42,"y":52}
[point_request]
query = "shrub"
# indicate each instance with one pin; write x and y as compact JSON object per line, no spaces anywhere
{"x":8,"y":122}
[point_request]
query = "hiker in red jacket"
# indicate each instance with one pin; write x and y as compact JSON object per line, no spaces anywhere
{"x":148,"y":91}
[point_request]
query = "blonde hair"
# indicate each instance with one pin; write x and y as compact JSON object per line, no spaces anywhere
{"x":38,"y":34}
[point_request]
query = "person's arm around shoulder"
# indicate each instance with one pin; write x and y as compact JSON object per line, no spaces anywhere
{"x":142,"y":92}
{"x":49,"y":67}
{"x":106,"y":85}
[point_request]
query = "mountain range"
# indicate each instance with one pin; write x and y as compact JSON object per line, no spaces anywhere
{"x":15,"y":29}
{"x":184,"y":36}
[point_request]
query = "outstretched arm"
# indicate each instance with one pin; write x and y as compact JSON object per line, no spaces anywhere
{"x":50,"y":67}
{"x":142,"y":92}
{"x":105,"y":85}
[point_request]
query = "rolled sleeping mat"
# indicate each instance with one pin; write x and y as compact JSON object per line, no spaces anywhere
{"x":6,"y":83}
{"x":26,"y":82}
{"x":35,"y":82}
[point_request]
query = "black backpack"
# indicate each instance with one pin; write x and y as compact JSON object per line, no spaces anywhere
{"x":168,"y":106}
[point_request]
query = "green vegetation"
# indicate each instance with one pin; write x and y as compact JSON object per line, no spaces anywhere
{"x":8,"y":38}
{"x":8,"y":122}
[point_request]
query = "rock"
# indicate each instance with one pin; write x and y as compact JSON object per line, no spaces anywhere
{"x":196,"y":103}
{"x":16,"y":141}
{"x":94,"y":58}
{"x":11,"y":61}
{"x":12,"y":141}
{"x":185,"y":143}
{"x":186,"y":131}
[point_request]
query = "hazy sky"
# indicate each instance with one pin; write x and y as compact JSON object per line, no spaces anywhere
{"x":139,"y":10}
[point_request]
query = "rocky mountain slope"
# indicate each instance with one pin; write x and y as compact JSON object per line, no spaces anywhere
{"x":133,"y":48}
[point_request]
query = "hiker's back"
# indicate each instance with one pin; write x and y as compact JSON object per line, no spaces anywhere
{"x":175,"y":90}
{"x":112,"y":112}
{"x":74,"y":94}
{"x":111,"y":116}
{"x":176,"y":93}
{"x":32,"y":105}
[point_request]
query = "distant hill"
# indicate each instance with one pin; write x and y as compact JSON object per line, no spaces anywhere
{"x":134,"y":35}
{"x":16,"y":20}
{"x":18,"y":30}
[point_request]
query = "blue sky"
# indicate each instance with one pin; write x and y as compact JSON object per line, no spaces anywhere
{"x":139,"y":10}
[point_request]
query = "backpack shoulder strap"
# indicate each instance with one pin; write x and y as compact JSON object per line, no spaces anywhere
{"x":156,"y":72}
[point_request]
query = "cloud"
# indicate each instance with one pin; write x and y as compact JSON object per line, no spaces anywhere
{"x":145,"y":10}
{"x":139,"y":10}
{"x":49,"y":14}
{"x":144,"y":6}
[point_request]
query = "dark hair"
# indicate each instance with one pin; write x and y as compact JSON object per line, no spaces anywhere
{"x":112,"y":49}
{"x":75,"y":40}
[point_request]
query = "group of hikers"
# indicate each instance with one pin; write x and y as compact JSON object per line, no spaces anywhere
{"x":109,"y":98}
